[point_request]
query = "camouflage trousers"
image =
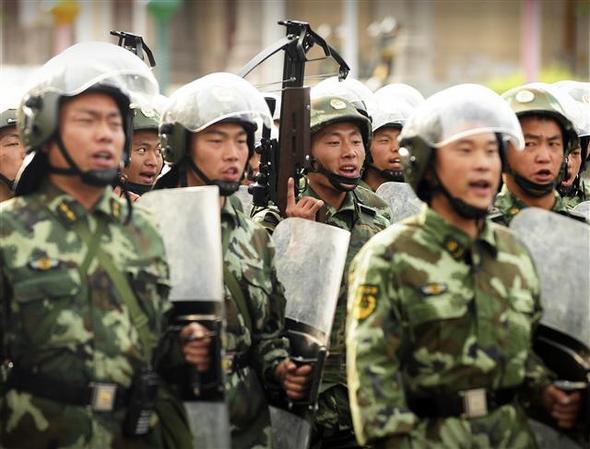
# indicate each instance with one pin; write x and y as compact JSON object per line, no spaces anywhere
{"x":505,"y":428}
{"x":332,"y":426}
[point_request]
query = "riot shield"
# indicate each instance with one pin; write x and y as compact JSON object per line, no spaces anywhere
{"x":246,"y":199}
{"x":310,"y":260}
{"x":189,"y":222}
{"x":559,"y":247}
{"x":583,"y":210}
{"x":402,"y":200}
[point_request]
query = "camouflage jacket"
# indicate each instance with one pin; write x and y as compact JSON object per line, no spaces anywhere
{"x":68,"y":324}
{"x":432,"y":311}
{"x":577,"y":195}
{"x":507,"y":206}
{"x":361,"y":213}
{"x":250,"y":257}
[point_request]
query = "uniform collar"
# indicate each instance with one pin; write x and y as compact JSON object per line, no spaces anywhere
{"x":509,"y":204}
{"x":229,"y":212}
{"x":70,"y":211}
{"x":454,"y":240}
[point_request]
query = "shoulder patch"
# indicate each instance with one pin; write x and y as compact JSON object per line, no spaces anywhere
{"x":365,"y":301}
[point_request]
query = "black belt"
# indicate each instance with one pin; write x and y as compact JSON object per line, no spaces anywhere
{"x":467,"y":404}
{"x":101,"y":396}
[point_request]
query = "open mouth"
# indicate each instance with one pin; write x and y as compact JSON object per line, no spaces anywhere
{"x":349,"y":171}
{"x":103,"y":159}
{"x":568,"y":179}
{"x":147,"y":177}
{"x":395,"y":163}
{"x":481,"y":187}
{"x":231,"y":174}
{"x":543,"y":176}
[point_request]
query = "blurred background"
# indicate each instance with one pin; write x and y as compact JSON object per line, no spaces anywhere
{"x":428,"y":44}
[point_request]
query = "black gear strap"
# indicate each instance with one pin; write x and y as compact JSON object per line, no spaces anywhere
{"x":461,"y":207}
{"x":340,"y":183}
{"x":8,"y":182}
{"x":226,"y":188}
{"x":388,"y":175}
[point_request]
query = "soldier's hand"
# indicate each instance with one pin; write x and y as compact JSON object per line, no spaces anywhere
{"x":195,"y":345}
{"x":562,"y":406}
{"x":307,"y":207}
{"x":295,"y":379}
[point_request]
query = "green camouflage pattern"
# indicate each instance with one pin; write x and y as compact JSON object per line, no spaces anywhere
{"x":145,"y":119}
{"x":422,"y":321}
{"x":71,"y":326}
{"x":250,"y":257}
{"x":364,"y":215}
{"x":577,"y":195}
{"x":507,"y":206}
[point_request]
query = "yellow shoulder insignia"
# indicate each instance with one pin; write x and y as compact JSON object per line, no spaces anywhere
{"x":365,"y":301}
{"x":513,"y":211}
{"x":43,"y":263}
{"x":434,"y":288}
{"x":66,"y":211}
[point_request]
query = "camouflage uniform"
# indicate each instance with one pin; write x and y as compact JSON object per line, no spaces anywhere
{"x":507,"y":206}
{"x":577,"y":196}
{"x":433,"y":312}
{"x":69,"y":324}
{"x":255,"y":351}
{"x":254,"y":313}
{"x":361,"y":214}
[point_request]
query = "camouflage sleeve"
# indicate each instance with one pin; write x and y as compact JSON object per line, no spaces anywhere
{"x":374,"y":341}
{"x":269,"y":347}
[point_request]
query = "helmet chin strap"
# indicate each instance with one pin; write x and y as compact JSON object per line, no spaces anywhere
{"x":226,"y":188}
{"x":138,"y":189}
{"x":96,"y":178}
{"x":388,"y":175}
{"x":340,"y":183}
{"x":532,"y":188}
{"x":461,"y":207}
{"x":8,"y":182}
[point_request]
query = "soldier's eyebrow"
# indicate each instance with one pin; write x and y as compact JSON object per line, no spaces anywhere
{"x":532,"y":136}
{"x":97,"y":112}
{"x":222,"y":133}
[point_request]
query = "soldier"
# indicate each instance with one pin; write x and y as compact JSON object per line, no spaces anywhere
{"x":339,"y":136}
{"x":12,"y":152}
{"x":383,"y":161}
{"x":443,"y":305}
{"x":207,"y":134}
{"x":531,"y":177}
{"x":83,"y":283}
{"x":146,"y":160}
{"x":573,"y":188}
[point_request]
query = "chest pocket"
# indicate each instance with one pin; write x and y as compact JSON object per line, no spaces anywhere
{"x":433,"y":319}
{"x":520,"y":318}
{"x":46,"y":304}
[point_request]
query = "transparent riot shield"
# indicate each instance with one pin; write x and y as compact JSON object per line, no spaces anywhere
{"x":246,"y":198}
{"x":583,"y":210}
{"x":189,"y":222}
{"x":310,"y":260}
{"x":402,"y":200}
{"x":560,"y":248}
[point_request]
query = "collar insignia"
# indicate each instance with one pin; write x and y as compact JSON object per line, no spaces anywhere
{"x":434,"y":288}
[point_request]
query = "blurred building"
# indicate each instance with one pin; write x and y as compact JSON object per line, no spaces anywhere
{"x":429,"y":44}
